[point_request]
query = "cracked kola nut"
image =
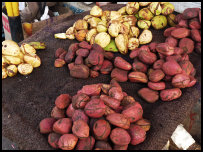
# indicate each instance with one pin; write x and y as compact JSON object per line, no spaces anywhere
{"x":26,"y":49}
{"x":102,"y":39}
{"x":105,"y":88}
{"x":186,"y":67}
{"x":144,"y":123}
{"x":96,"y":11}
{"x":144,"y":24}
{"x":79,"y":71}
{"x":180,"y":33}
{"x":149,"y":95}
{"x":10,"y":48}
{"x":171,"y":41}
{"x":90,"y":33}
{"x":145,"y":37}
{"x":124,"y":28}
{"x":138,"y":77}
{"x":187,"y":45}
{"x":80,"y":100}
{"x":156,"y":75}
{"x":133,"y":43}
{"x":145,"y":14}
{"x":155,"y":8}
{"x":180,"y":81}
{"x":70,"y":33}
{"x":196,"y":35}
{"x":122,"y":10}
{"x":114,"y":28}
{"x":122,"y":64}
{"x":171,"y":68}
{"x":139,"y":66}
{"x":93,"y":22}
{"x":127,"y":100}
{"x":165,"y":49}
{"x":32,"y":59}
{"x":190,"y":13}
{"x":79,"y":60}
{"x":25,"y":68}
{"x":168,"y":31}
{"x":137,"y":134}
{"x":159,"y":22}
{"x":109,"y":101}
{"x":101,"y":26}
{"x":114,"y":15}
{"x":4,"y":73}
{"x":132,"y":7}
{"x":144,"y":3}
{"x":106,"y":67}
{"x":105,"y":16}
{"x":122,"y":43}
{"x":156,"y":85}
{"x":171,"y":20}
{"x":167,"y":9}
{"x":194,"y":23}
{"x":134,"y":31}
{"x":59,"y":51}
{"x":59,"y":63}
{"x":11,"y":70}
{"x":131,"y":19}
{"x":170,"y":94}
{"x":81,"y":35}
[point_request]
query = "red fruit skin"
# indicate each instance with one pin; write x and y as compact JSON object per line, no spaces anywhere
{"x":62,"y":126}
{"x":180,"y":33}
{"x":120,"y":136}
{"x":95,"y":108}
{"x":70,"y":111}
{"x":67,"y":142}
{"x":170,"y":94}
{"x":63,"y":101}
{"x":133,"y":112}
{"x":101,"y":129}
{"x":86,"y":143}
{"x":156,"y":85}
{"x":171,"y":68}
{"x":119,"y":62}
{"x":137,"y":134}
{"x":53,"y":139}
{"x":79,"y":114}
{"x":180,"y":81}
{"x":46,"y":125}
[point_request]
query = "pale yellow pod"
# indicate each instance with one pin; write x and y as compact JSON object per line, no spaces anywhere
{"x":122,"y":10}
{"x":87,"y":17}
{"x":122,"y":43}
{"x":4,"y":61}
{"x":105,"y":16}
{"x":60,"y":35}
{"x":10,"y":48}
{"x":125,"y":28}
{"x":145,"y":37}
{"x":144,"y":3}
{"x":102,"y":39}
{"x":13,"y":60}
{"x":4,"y":73}
{"x":35,"y":61}
{"x":133,"y":43}
{"x":134,"y":31}
{"x":114,"y":28}
{"x":26,"y":49}
{"x":96,"y":11}
{"x":11,"y":70}
{"x":114,"y":15}
{"x":21,"y":56}
{"x":92,"y":39}
{"x":25,"y":68}
{"x":90,"y":33}
{"x":70,"y":33}
{"x":101,"y":26}
{"x":132,"y":7}
{"x":81,"y":25}
{"x":93,"y":22}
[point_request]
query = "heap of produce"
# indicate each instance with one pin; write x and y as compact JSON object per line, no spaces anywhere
{"x":99,"y":117}
{"x":121,"y":29}
{"x":19,"y":59}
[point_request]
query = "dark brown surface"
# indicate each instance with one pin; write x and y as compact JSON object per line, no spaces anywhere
{"x":26,"y":100}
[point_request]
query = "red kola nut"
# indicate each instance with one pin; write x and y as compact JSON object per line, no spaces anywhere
{"x":63,"y":101}
{"x":59,"y":62}
{"x":119,"y":109}
{"x":70,"y":111}
{"x":62,"y":56}
{"x":120,"y":147}
{"x":193,"y":72}
{"x":119,"y":75}
{"x":180,"y":33}
{"x":95,"y":57}
{"x":133,"y":112}
{"x":91,"y":90}
{"x":79,"y":60}
{"x":122,"y":64}
{"x":80,"y":100}
{"x":53,"y":139}
{"x":62,"y":126}
{"x":144,"y":123}
{"x":171,"y":68}
{"x":186,"y":66}
{"x":79,"y":114}
{"x":177,"y":58}
{"x":193,"y":81}
{"x":134,"y":53}
{"x":187,"y":45}
{"x":171,"y":41}
{"x":101,"y":129}
{"x":149,"y":95}
{"x":94,"y":74}
{"x":183,"y":23}
{"x":139,"y":66}
{"x":59,"y":51}
{"x":196,"y":35}
{"x":71,"y":52}
{"x":146,"y":56}
{"x":138,"y":77}
{"x":190,"y":13}
{"x":178,"y":51}
{"x":194,"y":24}
{"x":109,"y":101}
{"x":152,"y":47}
{"x":46,"y":125}
{"x":67,"y":142}
{"x":165,"y":49}
{"x":120,"y":136}
{"x":137,"y":134}
{"x":158,"y":64}
{"x":105,"y":88}
{"x":86,"y":143}
{"x":168,"y":31}
{"x":180,"y":81}
{"x":57,"y":113}
{"x":108,"y":111}
{"x":170,"y":94}
{"x":107,"y":67}
{"x":127,"y":100}
{"x":156,"y":85}
{"x":109,"y":55}
{"x":80,"y":129}
{"x":85,"y":45}
{"x":116,"y":92}
{"x":156,"y":75}
{"x":102,"y":145}
{"x":178,"y":17}
{"x":82,"y":52}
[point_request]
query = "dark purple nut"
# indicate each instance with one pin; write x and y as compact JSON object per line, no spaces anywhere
{"x":152,"y":47}
{"x":127,"y":100}
{"x":138,"y":77}
{"x":149,"y":95}
{"x":171,"y":41}
{"x":190,"y":13}
{"x":180,"y":80}
{"x":158,"y":64}
{"x":178,"y":17}
{"x":156,"y":75}
{"x":183,"y":23}
{"x":119,"y":62}
{"x":185,"y":57}
{"x":193,"y":81}
{"x":196,"y":35}
{"x":171,"y":68}
{"x":95,"y":57}
{"x":157,"y":85}
{"x":170,"y":94}
{"x":178,"y":51}
{"x":180,"y":33}
{"x":139,"y":66}
{"x":87,"y":62}
{"x":165,"y":49}
{"x":146,"y":56}
{"x":134,"y":53}
{"x":85,"y":45}
{"x":116,"y":92}
{"x":106,"y":67}
{"x":80,"y":100}
{"x":194,"y":24}
{"x":167,"y":78}
{"x":59,"y":51}
{"x":187,"y":45}
{"x":109,"y":101}
{"x":82,"y":52}
{"x":62,"y":56}
{"x":98,"y":48}
{"x":108,"y":55}
{"x":198,"y":48}
{"x":168,"y":31}
{"x":119,"y":75}
{"x":71,"y":52}
{"x":79,"y":114}
{"x":79,"y":60}
{"x":94,"y":74}
{"x":177,"y":58}
{"x":186,"y":67}
{"x":79,"y":71}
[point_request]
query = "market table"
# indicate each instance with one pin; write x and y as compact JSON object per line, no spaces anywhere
{"x":26,"y":100}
